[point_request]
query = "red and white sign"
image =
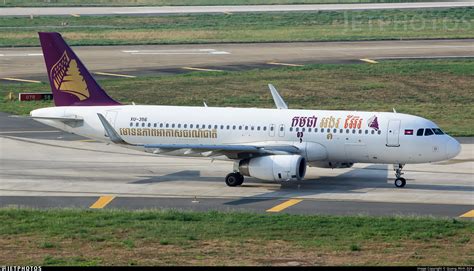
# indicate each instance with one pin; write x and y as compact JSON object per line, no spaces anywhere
{"x":35,"y":96}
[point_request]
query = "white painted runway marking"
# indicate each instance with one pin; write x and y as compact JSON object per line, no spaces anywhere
{"x":415,"y":57}
{"x":23,"y":54}
{"x":391,"y":48}
{"x":20,"y":80}
{"x":115,"y":74}
{"x":285,"y":64}
{"x":177,"y":52}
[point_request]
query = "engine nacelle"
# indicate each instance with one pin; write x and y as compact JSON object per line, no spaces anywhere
{"x":274,"y":167}
{"x":326,"y":164}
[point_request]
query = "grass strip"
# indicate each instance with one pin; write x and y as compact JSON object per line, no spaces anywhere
{"x":171,"y":237}
{"x":243,"y":27}
{"x":81,"y":3}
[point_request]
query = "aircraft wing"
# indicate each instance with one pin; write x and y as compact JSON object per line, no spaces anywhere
{"x":230,"y":150}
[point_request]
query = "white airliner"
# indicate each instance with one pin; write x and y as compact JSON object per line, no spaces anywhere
{"x":268,"y":144}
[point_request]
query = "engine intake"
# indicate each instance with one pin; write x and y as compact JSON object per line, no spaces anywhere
{"x":274,"y":167}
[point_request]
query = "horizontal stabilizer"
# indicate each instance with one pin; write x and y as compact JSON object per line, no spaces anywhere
{"x":65,"y":118}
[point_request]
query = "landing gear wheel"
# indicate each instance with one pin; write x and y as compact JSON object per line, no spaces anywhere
{"x":241,"y":179}
{"x":234,"y":179}
{"x":400,"y":182}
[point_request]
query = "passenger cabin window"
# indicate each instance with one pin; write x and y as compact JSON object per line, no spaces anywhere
{"x":428,"y":132}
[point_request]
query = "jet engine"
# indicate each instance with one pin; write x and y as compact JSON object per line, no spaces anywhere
{"x":326,"y":164}
{"x":274,"y":167}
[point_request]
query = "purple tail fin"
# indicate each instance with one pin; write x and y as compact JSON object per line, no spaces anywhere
{"x":70,"y":81}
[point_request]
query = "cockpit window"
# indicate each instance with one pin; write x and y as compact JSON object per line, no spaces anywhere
{"x":438,"y":131}
{"x":420,"y":132}
{"x":428,"y":132}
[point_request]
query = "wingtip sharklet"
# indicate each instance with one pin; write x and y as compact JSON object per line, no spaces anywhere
{"x":279,"y":102}
{"x":110,"y":131}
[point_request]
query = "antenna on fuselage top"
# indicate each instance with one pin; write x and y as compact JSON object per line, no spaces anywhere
{"x":279,"y":102}
{"x":205,"y":104}
{"x":394,"y":111}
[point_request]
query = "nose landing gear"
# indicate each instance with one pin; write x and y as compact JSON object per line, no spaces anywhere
{"x":399,"y":181}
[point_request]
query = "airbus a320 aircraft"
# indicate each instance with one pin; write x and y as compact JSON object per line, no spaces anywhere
{"x":268,"y":144}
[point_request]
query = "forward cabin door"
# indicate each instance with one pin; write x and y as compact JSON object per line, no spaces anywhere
{"x":393,"y":133}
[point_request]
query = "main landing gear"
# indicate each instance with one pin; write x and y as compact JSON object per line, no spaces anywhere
{"x":234,"y":179}
{"x":399,"y":181}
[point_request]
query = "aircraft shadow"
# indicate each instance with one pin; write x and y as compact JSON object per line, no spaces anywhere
{"x":356,"y":181}
{"x":184,"y":175}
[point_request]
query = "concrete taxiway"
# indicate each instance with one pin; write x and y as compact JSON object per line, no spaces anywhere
{"x":41,"y":167}
{"x":43,"y":11}
{"x":130,"y":61}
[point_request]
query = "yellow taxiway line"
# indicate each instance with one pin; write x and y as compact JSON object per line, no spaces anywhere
{"x":368,"y":60}
{"x":285,"y":64}
{"x":102,"y":202}
{"x":114,"y":74}
{"x":468,"y":214}
{"x":201,"y":69}
{"x":284,"y":205}
{"x":20,"y":80}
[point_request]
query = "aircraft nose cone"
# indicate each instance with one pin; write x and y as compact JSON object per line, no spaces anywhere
{"x":453,"y":148}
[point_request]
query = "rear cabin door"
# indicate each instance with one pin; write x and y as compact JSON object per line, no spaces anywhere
{"x":393,"y":133}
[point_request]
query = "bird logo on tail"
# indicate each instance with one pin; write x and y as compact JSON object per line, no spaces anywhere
{"x":67,"y":77}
